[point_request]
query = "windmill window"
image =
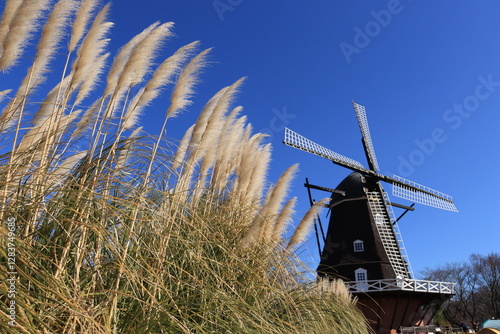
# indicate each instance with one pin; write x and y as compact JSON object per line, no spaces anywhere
{"x":359,"y":246}
{"x":360,"y":274}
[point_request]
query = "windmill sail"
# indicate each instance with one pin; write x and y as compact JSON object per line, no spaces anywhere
{"x":367,"y":138}
{"x":293,"y":139}
{"x":415,"y":192}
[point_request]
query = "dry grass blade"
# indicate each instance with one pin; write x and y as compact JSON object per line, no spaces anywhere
{"x":127,"y":149}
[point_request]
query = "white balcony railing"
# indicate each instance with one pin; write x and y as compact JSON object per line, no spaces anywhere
{"x":401,"y":284}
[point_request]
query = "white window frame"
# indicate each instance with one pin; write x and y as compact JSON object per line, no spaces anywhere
{"x":358,"y":246}
{"x":361,"y":275}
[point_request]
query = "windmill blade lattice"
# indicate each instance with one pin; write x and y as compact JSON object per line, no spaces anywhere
{"x":293,"y":139}
{"x":367,"y":138}
{"x":415,"y":192}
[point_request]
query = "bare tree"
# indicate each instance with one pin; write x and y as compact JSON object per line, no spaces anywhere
{"x":487,"y":268}
{"x":477,"y":289}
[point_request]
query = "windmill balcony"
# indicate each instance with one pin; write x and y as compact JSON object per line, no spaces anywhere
{"x":399,"y":284}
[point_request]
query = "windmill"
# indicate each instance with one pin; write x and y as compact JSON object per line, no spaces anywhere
{"x":363,"y":244}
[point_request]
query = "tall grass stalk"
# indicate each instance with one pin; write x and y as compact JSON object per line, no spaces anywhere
{"x":117,"y":231}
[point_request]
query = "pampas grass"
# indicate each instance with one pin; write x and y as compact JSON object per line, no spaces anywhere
{"x":83,"y":17}
{"x":52,"y":33}
{"x":263,"y":223}
{"x":182,"y":150}
{"x":10,"y":10}
{"x":283,"y":220}
{"x":300,"y":234}
{"x":92,"y":48}
{"x":184,"y":87}
{"x":335,"y":287}
{"x":162,"y":77}
{"x":228,"y":153}
{"x":142,"y":55}
{"x":122,"y":58}
{"x":118,"y":231}
{"x":21,"y":20}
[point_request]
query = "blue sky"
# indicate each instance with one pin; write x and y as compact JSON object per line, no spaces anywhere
{"x":427,"y":72}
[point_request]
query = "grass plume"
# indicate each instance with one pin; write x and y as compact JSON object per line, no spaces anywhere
{"x":10,"y":10}
{"x":22,"y":21}
{"x":305,"y":224}
{"x":184,"y":88}
{"x":82,"y":19}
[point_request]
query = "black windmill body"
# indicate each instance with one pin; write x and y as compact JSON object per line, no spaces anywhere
{"x":363,"y":245}
{"x":353,"y":240}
